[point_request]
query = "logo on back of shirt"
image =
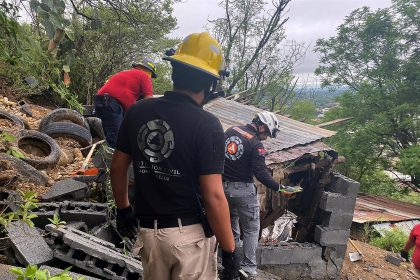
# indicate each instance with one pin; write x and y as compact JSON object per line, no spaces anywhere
{"x":156,"y":140}
{"x":234,"y":148}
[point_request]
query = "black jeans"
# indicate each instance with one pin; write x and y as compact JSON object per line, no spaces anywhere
{"x":111,"y":112}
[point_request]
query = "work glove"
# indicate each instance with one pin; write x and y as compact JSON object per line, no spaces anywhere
{"x":127,"y":223}
{"x":289,"y":190}
{"x":405,"y":255}
{"x":230,"y":263}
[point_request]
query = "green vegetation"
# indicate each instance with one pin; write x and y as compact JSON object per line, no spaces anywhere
{"x":32,"y":272}
{"x":393,"y":240}
{"x":375,"y":54}
{"x":71,"y":48}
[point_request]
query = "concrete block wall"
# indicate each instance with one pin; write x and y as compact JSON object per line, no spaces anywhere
{"x":322,"y":259}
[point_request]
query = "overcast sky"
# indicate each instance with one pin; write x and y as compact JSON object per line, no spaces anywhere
{"x":309,"y":20}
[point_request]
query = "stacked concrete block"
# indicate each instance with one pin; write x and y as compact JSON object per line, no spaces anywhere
{"x":323,"y":259}
{"x":92,"y":254}
{"x":66,"y":189}
{"x":336,"y":208}
{"x":45,"y":211}
{"x":92,"y":214}
{"x":28,"y":245}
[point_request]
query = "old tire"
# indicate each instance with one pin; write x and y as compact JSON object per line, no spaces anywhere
{"x":69,"y":130}
{"x":95,"y":126}
{"x":43,"y":144}
{"x":26,"y":172}
{"x":18,"y":121}
{"x":63,"y":115}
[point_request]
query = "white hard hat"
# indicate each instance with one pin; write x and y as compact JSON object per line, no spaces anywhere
{"x":271,"y":121}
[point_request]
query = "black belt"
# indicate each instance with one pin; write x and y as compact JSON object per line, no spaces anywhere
{"x":168,"y":222}
{"x":104,"y":99}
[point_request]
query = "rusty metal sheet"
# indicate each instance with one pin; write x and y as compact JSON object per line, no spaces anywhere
{"x":296,"y":152}
{"x":406,"y":226}
{"x":292,"y":133}
{"x":370,"y":208}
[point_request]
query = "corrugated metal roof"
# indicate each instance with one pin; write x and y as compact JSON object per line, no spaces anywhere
{"x":295,"y":152}
{"x":406,"y":226}
{"x":292,"y":133}
{"x":370,"y":208}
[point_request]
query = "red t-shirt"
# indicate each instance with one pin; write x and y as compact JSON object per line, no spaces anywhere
{"x":127,"y":86}
{"x":415,"y":236}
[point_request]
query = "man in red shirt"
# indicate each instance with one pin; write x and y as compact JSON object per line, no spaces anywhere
{"x":413,"y":241}
{"x":121,"y":91}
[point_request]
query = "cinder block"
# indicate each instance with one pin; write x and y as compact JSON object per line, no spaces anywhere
{"x":45,"y":211}
{"x":94,"y":255}
{"x":394,"y":259}
{"x":28,"y":244}
{"x":336,"y":219}
{"x":336,"y":202}
{"x":335,"y":252}
{"x":333,"y":268}
{"x":66,"y":189}
{"x":54,"y":271}
{"x":11,"y":200}
{"x":343,"y":185}
{"x":92,"y":214}
{"x":330,"y":237}
{"x":305,"y":252}
{"x":79,"y":225}
{"x":106,"y":232}
{"x":5,"y":273}
{"x":275,"y":255}
{"x":318,"y":268}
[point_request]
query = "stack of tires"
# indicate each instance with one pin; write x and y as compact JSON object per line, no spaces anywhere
{"x":41,"y":150}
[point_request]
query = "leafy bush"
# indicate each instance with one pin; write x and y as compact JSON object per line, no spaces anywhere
{"x":32,"y":272}
{"x":379,"y":184}
{"x":393,"y":240}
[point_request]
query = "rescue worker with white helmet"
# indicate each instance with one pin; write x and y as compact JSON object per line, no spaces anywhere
{"x":244,"y":159}
{"x":177,"y":150}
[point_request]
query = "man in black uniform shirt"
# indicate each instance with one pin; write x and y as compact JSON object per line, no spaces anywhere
{"x":245,"y":158}
{"x":177,"y":150}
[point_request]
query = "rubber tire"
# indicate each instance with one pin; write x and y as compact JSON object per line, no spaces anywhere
{"x":27,"y":172}
{"x":69,"y":130}
{"x":95,"y":126}
{"x":63,"y":115}
{"x":44,"y":142}
{"x":21,"y":123}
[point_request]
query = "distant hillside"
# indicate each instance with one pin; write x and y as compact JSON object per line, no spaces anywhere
{"x":322,"y":97}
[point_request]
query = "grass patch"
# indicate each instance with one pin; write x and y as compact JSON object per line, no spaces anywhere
{"x":393,"y":240}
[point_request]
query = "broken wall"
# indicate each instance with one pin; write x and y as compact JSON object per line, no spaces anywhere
{"x":323,"y":258}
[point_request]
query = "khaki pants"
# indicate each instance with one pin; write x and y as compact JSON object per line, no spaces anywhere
{"x":177,"y":253}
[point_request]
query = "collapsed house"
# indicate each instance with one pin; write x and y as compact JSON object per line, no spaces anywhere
{"x":324,"y":209}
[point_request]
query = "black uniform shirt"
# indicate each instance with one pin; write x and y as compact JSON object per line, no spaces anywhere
{"x":245,"y":157}
{"x":172,"y":141}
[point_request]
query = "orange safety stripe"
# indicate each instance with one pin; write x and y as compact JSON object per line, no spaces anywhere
{"x":243,"y":133}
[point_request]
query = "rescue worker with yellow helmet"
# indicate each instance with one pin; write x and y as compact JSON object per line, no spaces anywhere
{"x":177,"y":150}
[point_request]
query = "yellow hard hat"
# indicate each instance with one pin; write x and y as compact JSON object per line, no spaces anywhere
{"x":201,"y":52}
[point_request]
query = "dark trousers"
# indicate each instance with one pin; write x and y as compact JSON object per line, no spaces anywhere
{"x":111,"y":112}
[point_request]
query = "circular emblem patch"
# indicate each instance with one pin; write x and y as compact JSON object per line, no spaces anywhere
{"x":156,"y":140}
{"x":234,"y":148}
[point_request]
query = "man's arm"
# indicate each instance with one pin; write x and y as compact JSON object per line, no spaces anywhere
{"x":119,"y":181}
{"x":217,"y":210}
{"x":260,"y":169}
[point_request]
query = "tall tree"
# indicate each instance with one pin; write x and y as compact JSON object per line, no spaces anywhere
{"x":376,"y":54}
{"x":251,"y":33}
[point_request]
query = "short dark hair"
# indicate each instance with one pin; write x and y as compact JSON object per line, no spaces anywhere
{"x":187,"y":78}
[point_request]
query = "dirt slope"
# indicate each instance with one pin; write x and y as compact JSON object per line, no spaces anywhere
{"x":373,"y":266}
